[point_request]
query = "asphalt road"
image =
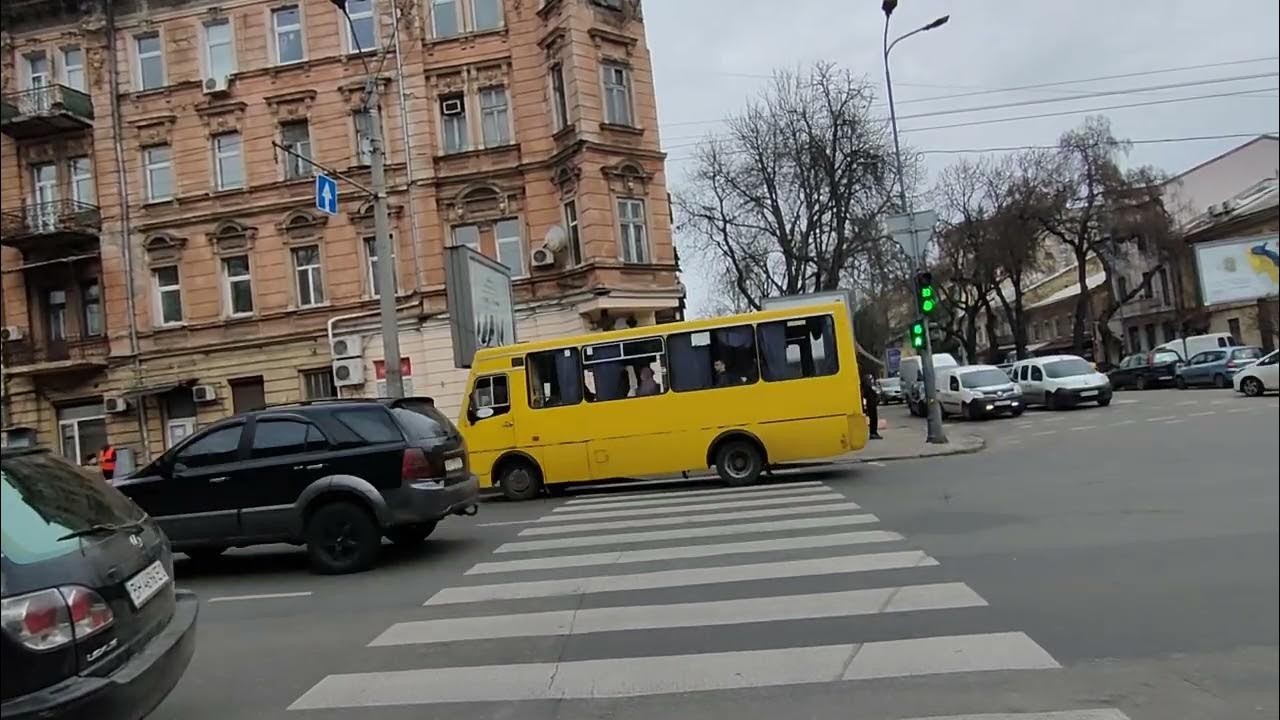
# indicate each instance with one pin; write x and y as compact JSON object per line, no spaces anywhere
{"x":1099,"y":563}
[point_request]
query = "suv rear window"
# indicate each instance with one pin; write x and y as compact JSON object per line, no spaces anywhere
{"x":422,"y":421}
{"x":370,"y":424}
{"x":42,"y":498}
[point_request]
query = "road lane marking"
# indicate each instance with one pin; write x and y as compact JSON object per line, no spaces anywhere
{"x":680,"y":499}
{"x":668,"y":674}
{"x":874,"y":462}
{"x":778,"y":608}
{"x":1172,"y":422}
{"x":1162,"y":417}
{"x":682,"y":533}
{"x":686,"y":577}
{"x":1123,"y":422}
{"x":1125,"y":402}
{"x":264,"y":596}
{"x":1240,"y":410}
{"x":626,"y":497}
{"x":1188,"y":402}
{"x":1221,"y":401}
{"x":1045,"y":432}
{"x":598,"y":513}
{"x":1203,"y":414}
{"x":1084,"y":427}
{"x":1089,"y":714}
{"x":1014,"y":441}
{"x":564,"y":528}
{"x":804,"y":542}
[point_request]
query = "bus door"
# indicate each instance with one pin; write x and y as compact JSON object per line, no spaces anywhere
{"x":491,"y":424}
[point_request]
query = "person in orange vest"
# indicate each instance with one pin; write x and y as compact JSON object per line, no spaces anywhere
{"x":107,"y":461}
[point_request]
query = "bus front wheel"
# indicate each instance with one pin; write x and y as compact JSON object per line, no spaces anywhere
{"x":519,"y":480}
{"x":739,"y":462}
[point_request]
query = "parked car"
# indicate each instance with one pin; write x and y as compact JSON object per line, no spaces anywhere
{"x":92,"y":624}
{"x":913,"y":379}
{"x":1261,"y":376}
{"x":1215,"y":367}
{"x":977,"y":391}
{"x":1058,"y":381}
{"x":333,"y":475}
{"x":1146,"y":370}
{"x":890,"y":390}
{"x":1190,"y":346}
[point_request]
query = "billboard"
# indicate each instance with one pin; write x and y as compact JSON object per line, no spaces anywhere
{"x":1239,"y":269}
{"x":481,"y":310}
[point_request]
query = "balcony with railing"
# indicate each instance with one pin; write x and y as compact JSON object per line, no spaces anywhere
{"x":48,"y":356}
{"x":44,"y":110}
{"x":51,"y":225}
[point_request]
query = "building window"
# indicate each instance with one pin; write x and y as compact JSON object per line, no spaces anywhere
{"x":1164,"y":287}
{"x":296,"y":137}
{"x":486,"y":14}
{"x":572,"y":232}
{"x":1148,"y":291}
{"x":1035,"y":331}
{"x":81,"y":180}
{"x":82,"y":432}
{"x":247,"y":394}
{"x":1057,"y":327}
{"x":444,"y":18}
{"x":37,"y":67}
{"x":286,"y":23}
{"x":91,"y":302}
{"x":237,"y":285}
{"x":1135,"y":344}
{"x":468,"y":235}
{"x":635,"y":248}
{"x":318,"y":384}
{"x":617,"y":94}
{"x":56,"y":304}
{"x":159,"y":172}
{"x":1122,"y":287}
{"x":219,"y":51}
{"x":493,"y":117}
{"x":364,"y":138}
{"x":371,"y":252}
{"x":1150,"y":330}
{"x":1170,"y":331}
{"x":168,"y":298}
{"x":73,"y":68}
{"x":309,"y":275}
{"x":150,"y":61}
{"x":559,"y":100}
{"x":228,"y":167}
{"x":362,"y":31}
{"x":1233,"y":327}
{"x":453,"y":125}
{"x":510,"y":245}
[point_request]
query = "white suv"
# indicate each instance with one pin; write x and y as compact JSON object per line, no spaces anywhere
{"x":1058,"y":381}
{"x":977,"y":391}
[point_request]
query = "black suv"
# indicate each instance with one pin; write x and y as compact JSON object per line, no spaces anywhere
{"x":93,"y":627}
{"x":333,"y":475}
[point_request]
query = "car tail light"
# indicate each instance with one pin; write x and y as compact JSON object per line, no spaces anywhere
{"x":415,"y":465}
{"x":1231,"y":364}
{"x":52,"y":618}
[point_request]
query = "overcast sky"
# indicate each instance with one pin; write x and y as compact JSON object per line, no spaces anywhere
{"x":710,"y":56}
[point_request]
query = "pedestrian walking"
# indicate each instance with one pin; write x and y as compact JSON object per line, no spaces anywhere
{"x":107,"y":461}
{"x":871,"y":404}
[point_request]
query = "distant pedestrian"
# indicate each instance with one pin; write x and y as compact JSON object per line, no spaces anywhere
{"x":871,"y":403}
{"x":107,"y":461}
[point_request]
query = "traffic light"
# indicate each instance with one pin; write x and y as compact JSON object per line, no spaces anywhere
{"x":917,"y":335}
{"x":926,"y":296}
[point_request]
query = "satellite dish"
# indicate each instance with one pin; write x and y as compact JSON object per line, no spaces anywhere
{"x":555,"y":239}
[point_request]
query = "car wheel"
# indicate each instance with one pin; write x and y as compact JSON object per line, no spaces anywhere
{"x":1180,"y":382}
{"x":1019,"y":411}
{"x":342,"y":537}
{"x":204,"y":555}
{"x":520,"y":480}
{"x":1104,"y":401}
{"x":1141,"y":382}
{"x":1049,"y":402}
{"x":1220,"y":381}
{"x":739,"y":462}
{"x":969,"y":412}
{"x":410,"y":535}
{"x":1251,"y":386}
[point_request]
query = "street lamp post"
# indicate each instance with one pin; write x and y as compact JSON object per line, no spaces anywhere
{"x":933,"y":413}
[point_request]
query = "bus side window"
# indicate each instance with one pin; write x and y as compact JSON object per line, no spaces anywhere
{"x":555,"y":378}
{"x":490,"y":397}
{"x":791,"y":349}
{"x":721,"y":357}
{"x":631,"y":368}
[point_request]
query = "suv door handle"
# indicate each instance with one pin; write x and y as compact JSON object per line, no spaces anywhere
{"x":220,"y":478}
{"x":314,"y":466}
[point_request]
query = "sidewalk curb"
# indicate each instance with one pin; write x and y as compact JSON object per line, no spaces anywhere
{"x":973,"y":444}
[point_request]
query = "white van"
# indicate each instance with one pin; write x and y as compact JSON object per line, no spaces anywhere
{"x":977,"y":391}
{"x":1196,"y":344}
{"x":1057,"y":381}
{"x":913,"y":380}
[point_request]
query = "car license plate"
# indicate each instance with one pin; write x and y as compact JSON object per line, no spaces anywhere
{"x":452,"y":464}
{"x":1088,"y":393}
{"x":1002,"y":402}
{"x":143,"y":586}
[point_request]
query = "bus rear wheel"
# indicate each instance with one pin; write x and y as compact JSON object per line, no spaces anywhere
{"x":739,"y":462}
{"x":519,"y":480}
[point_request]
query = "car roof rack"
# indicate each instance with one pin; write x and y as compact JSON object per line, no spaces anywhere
{"x":342,"y":401}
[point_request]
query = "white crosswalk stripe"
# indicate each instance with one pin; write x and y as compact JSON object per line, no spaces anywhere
{"x":692,"y":581}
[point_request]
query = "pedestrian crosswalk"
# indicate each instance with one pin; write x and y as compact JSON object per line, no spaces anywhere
{"x":781,"y":585}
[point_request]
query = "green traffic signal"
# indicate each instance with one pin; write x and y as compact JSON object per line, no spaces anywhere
{"x":917,"y":342}
{"x":917,"y":329}
{"x":926,"y":291}
{"x":927,"y":306}
{"x":917,"y":335}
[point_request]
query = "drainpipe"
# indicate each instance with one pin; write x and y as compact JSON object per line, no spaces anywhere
{"x":126,"y":231}
{"x":418,"y":280}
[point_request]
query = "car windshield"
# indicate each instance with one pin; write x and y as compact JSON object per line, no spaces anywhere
{"x":1164,"y":356}
{"x":984,"y":378}
{"x":889,"y":383}
{"x":43,"y":498}
{"x":1069,"y":367}
{"x":1251,"y":353}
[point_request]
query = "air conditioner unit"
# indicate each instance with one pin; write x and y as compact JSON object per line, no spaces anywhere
{"x":216,"y":85}
{"x":11,"y":332}
{"x":204,"y":393}
{"x":451,"y":107}
{"x":542,"y":257}
{"x":345,"y":346}
{"x":348,"y":371}
{"x":115,"y":405}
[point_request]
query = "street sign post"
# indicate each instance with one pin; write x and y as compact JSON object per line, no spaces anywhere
{"x":912,"y":231}
{"x":326,"y":194}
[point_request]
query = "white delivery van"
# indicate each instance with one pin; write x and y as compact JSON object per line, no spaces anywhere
{"x":1058,"y":381}
{"x":913,"y":380}
{"x":1196,"y":344}
{"x":978,"y":391}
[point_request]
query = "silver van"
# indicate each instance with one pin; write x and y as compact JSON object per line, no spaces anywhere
{"x":913,"y":380}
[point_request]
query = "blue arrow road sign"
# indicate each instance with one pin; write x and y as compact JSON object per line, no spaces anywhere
{"x":326,"y":194}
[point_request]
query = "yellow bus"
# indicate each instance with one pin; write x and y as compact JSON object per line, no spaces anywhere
{"x":736,"y":393}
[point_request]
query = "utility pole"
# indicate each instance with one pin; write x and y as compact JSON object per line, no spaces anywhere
{"x":933,"y":412}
